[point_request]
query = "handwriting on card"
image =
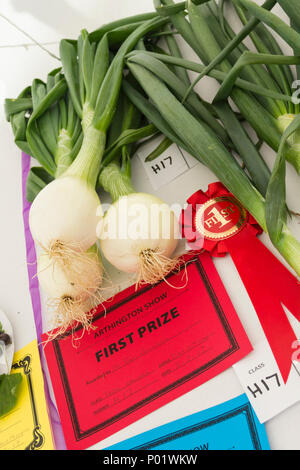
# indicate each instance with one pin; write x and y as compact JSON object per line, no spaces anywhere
{"x":162,"y":164}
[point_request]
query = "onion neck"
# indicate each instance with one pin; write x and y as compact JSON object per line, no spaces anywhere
{"x":87,"y":116}
{"x":116,"y":182}
{"x":63,"y":157}
{"x":289,"y":247}
{"x":293,"y":151}
{"x":86,"y":164}
{"x":283,"y":122}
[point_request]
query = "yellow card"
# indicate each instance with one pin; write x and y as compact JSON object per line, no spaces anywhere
{"x":27,"y":426}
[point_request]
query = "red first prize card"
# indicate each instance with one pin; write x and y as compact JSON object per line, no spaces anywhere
{"x":149,"y":347}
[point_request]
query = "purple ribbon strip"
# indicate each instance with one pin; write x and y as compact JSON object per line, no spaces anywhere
{"x":36,"y":304}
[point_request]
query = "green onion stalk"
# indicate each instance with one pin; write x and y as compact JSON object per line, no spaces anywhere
{"x":268,"y":117}
{"x":154,"y":122}
{"x":208,"y":39}
{"x":232,"y":134}
{"x":128,"y":128}
{"x":292,"y":9}
{"x":279,"y":66}
{"x":208,"y":148}
{"x":254,"y":163}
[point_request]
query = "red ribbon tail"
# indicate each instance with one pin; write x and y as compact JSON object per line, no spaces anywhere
{"x":268,"y":283}
{"x":277,"y":277}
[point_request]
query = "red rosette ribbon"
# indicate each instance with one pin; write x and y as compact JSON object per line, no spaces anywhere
{"x":216,"y":222}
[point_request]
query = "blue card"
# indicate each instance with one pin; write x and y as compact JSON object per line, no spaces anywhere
{"x":232,"y":425}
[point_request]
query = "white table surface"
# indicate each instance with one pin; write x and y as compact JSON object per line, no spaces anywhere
{"x":21,"y":61}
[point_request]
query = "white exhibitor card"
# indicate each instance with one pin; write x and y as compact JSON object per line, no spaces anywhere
{"x":263,"y":384}
{"x":191,"y":161}
{"x":165,"y":168}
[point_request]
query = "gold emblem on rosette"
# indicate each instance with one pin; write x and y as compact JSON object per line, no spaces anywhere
{"x":220,"y":218}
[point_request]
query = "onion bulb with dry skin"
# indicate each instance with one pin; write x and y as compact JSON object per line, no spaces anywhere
{"x":140,"y":232}
{"x":72,"y":286}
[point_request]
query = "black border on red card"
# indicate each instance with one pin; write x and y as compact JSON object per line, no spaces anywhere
{"x":234,"y":346}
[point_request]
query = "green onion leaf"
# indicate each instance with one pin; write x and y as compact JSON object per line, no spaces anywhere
{"x":204,"y":143}
{"x":108,"y":96}
{"x":276,"y":210}
{"x":292,"y":8}
{"x":153,"y":114}
{"x":238,"y":38}
{"x":255,"y":164}
{"x":68,"y":54}
{"x":250,"y":58}
{"x":9,"y":389}
{"x":162,"y":147}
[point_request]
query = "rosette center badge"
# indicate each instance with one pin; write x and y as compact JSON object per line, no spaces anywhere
{"x":220,"y":218}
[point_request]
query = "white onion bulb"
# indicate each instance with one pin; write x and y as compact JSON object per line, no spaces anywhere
{"x":65,"y":212}
{"x":72,"y":288}
{"x":81,"y":278}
